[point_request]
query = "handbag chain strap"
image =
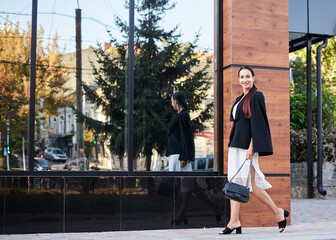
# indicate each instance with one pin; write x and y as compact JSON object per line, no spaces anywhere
{"x":248,"y":178}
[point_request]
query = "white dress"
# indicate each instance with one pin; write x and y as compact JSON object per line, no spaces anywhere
{"x":236,"y":158}
{"x":187,"y":183}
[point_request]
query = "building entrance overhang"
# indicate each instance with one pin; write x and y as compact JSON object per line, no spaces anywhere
{"x":310,"y":18}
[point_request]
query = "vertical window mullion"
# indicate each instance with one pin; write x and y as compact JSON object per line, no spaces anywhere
{"x":130,"y":124}
{"x":31,"y":135}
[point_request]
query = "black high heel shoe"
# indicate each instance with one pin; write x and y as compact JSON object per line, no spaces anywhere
{"x":283,"y":223}
{"x":229,"y":230}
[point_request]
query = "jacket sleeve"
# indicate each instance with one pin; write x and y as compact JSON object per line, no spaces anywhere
{"x":187,"y":139}
{"x":260,"y":130}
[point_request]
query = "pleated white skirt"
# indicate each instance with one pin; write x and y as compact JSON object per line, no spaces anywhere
{"x":235,"y":159}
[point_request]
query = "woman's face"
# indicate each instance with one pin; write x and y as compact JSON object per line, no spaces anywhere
{"x":174,"y":103}
{"x":245,"y":79}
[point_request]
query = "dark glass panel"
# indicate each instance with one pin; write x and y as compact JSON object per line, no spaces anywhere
{"x":33,"y":205}
{"x":92,"y":204}
{"x":2,"y":195}
{"x":147,"y":203}
{"x":200,"y":203}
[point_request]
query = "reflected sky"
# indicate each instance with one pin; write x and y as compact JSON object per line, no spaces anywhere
{"x":98,"y":16}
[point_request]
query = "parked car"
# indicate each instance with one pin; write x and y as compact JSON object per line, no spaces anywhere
{"x":54,"y":154}
{"x":203,"y":164}
{"x":40,"y":164}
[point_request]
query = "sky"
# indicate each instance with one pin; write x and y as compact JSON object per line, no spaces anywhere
{"x":98,"y":15}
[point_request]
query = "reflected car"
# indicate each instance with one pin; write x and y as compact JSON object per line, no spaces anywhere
{"x":203,"y":164}
{"x":54,"y":154}
{"x":40,"y":164}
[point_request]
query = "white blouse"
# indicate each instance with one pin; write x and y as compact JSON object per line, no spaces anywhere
{"x":234,"y":110}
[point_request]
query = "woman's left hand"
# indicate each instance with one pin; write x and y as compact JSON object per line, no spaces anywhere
{"x":250,"y":153}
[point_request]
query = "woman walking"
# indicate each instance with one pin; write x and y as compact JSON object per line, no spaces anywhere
{"x":181,"y":154}
{"x":181,"y":146}
{"x":250,"y":138}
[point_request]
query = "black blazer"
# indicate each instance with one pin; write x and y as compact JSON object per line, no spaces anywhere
{"x":180,"y":137}
{"x":256,"y":127}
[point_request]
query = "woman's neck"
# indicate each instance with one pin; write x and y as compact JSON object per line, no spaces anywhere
{"x":246,"y":91}
{"x":179,"y":109}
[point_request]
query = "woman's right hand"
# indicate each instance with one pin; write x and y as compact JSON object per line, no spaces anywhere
{"x":249,"y":153}
{"x":183,"y":163}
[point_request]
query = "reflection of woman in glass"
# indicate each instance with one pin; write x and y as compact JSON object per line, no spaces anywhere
{"x":181,"y":147}
{"x":250,"y":138}
{"x":181,"y":152}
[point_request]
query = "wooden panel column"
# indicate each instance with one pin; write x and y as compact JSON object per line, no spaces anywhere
{"x":255,"y":33}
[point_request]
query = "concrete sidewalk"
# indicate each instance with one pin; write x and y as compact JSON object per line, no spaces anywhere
{"x":311,"y":219}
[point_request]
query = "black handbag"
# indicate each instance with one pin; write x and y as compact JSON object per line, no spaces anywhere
{"x":238,"y":192}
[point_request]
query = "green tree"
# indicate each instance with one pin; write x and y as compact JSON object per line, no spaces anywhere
{"x":298,"y":109}
{"x":163,"y":64}
{"x":298,"y":98}
{"x":328,"y":66}
{"x":298,"y":103}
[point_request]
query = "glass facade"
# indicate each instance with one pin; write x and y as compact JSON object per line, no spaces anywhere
{"x":81,"y":109}
{"x":81,"y":120}
{"x":94,"y":204}
{"x":177,"y":56}
{"x":33,"y":205}
{"x":15,"y":38}
{"x":89,"y":154}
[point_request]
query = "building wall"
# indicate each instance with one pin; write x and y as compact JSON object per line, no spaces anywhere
{"x":299,"y":179}
{"x":255,"y":33}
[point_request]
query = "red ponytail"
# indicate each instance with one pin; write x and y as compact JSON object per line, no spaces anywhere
{"x":247,"y":101}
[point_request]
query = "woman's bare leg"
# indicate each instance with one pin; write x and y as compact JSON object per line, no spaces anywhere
{"x":234,"y":215}
{"x":263,"y":196}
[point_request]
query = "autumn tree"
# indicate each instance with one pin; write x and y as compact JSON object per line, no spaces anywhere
{"x":15,"y":62}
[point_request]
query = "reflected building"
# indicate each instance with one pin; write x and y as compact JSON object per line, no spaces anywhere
{"x":59,"y":131}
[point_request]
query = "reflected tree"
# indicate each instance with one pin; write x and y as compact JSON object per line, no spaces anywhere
{"x":163,"y":64}
{"x":51,"y":76}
